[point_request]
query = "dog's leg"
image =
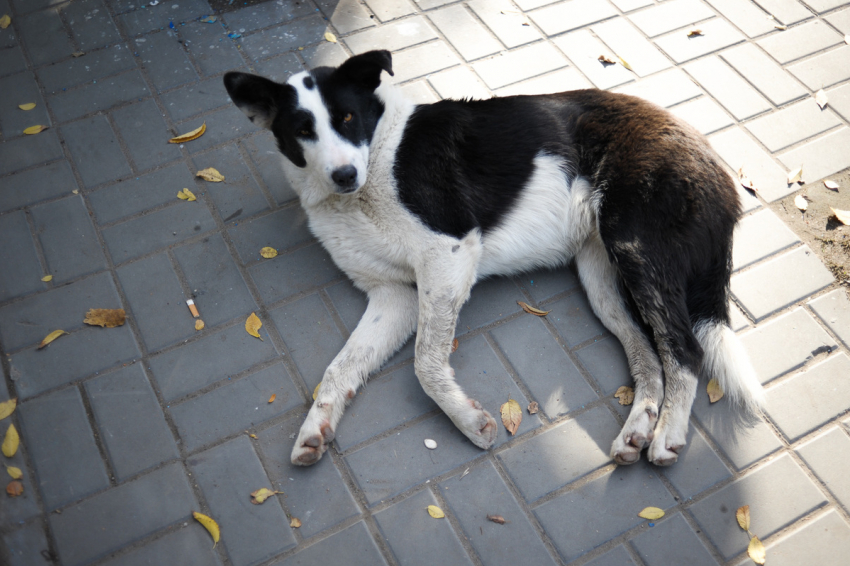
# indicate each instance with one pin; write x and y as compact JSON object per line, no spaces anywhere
{"x":445,"y":281}
{"x":671,"y":432}
{"x":389,"y":320}
{"x":599,"y":278}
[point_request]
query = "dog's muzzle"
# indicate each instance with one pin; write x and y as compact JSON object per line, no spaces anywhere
{"x":345,"y":178}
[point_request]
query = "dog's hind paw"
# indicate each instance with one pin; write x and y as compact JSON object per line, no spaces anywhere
{"x":665,"y":448}
{"x":636,"y":434}
{"x":479,"y":426}
{"x":309,"y":448}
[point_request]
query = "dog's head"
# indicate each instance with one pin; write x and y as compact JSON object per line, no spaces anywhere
{"x":323,"y":119}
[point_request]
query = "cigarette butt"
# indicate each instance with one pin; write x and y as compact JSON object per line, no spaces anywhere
{"x":193,"y":308}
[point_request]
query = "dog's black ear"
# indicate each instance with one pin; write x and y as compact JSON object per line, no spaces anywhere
{"x":257,"y":97}
{"x":365,"y":69}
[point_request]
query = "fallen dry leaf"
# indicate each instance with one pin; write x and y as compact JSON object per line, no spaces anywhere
{"x":210,"y":174}
{"x":605,"y":60}
{"x":252,"y":435}
{"x":295,"y":522}
{"x":624,"y":63}
{"x":455,"y":344}
{"x":745,"y":181}
{"x":695,"y":33}
{"x":756,"y":551}
{"x":16,"y":473}
{"x":7,"y":408}
{"x":330,"y":37}
{"x":51,"y":337}
{"x":273,"y":397}
{"x":261,"y":495}
{"x":795,"y":176}
{"x":11,"y":441}
{"x":199,"y":324}
{"x":651,"y":513}
{"x":27,"y":106}
{"x":108,"y":318}
{"x":268,"y":252}
{"x":498,"y":519}
{"x":843,"y":216}
{"x":5,"y":21}
{"x":316,"y":391}
{"x":533,"y":408}
{"x":511,"y":415}
{"x":47,"y":278}
{"x":435,"y":512}
{"x":78,"y":53}
{"x":780,"y":27}
{"x":743,"y":516}
{"x":625,"y":395}
{"x":253,"y":325}
{"x":15,"y":488}
{"x":801,"y":203}
{"x":32,"y":130}
{"x":186,"y":194}
{"x":189,"y":136}
{"x":831,"y":185}
{"x":531,"y":310}
{"x":715,"y":393}
{"x":821,"y":98}
{"x":210,"y":525}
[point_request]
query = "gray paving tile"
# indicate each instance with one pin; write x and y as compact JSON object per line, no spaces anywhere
{"x":799,"y":41}
{"x":158,"y":229}
{"x":130,"y":421}
{"x":728,"y":88}
{"x":574,"y":319}
{"x":62,"y":447}
{"x":698,"y":467}
{"x":544,"y":284}
{"x":823,"y":156}
{"x":821,"y":6}
{"x":785,"y":11}
{"x":584,"y":50}
{"x":195,"y":98}
{"x":144,"y":131}
{"x":118,"y":516}
{"x":27,"y":151}
{"x":18,"y":250}
{"x":435,"y":541}
{"x":281,"y":230}
{"x":745,"y":15}
{"x":280,"y":67}
{"x":98,"y":95}
{"x":824,"y":70}
{"x":717,"y":34}
{"x":164,"y":60}
{"x":140,"y":21}
{"x":392,"y":37}
{"x":758,"y":236}
{"x":15,"y":511}
{"x":27,"y":546}
{"x":811,"y":398}
{"x":664,"y":89}
{"x":95,"y":150}
{"x":566,"y":16}
{"x":616,"y":557}
{"x":324,"y":54}
{"x":35,"y":185}
{"x":672,"y":542}
{"x":760,"y":70}
{"x":562,"y":454}
{"x":580,"y":520}
{"x":828,"y":456}
{"x":792,"y":124}
{"x":839,"y":100}
{"x":606,"y":362}
{"x":834,"y":310}
{"x":487,"y":494}
{"x":353,"y":546}
{"x":556,"y":81}
{"x":825,"y":540}
{"x":703,"y":114}
{"x":346,"y":15}
{"x":785,"y":343}
{"x":156,"y":301}
{"x":738,"y":150}
{"x":519,"y":64}
{"x":239,"y":195}
{"x":293,"y":273}
{"x":273,"y":41}
{"x":629,"y":43}
{"x":44,"y":36}
{"x":19,"y":89}
{"x":471,"y":39}
{"x":264,"y":14}
{"x":210,"y":47}
{"x":68,"y":239}
{"x":489,"y":301}
{"x":840,"y":19}
{"x":12,"y":60}
{"x":90,"y":23}
{"x":187,"y":546}
{"x":669,"y":16}
{"x":222,"y":126}
{"x":387,"y":10}
{"x":227,"y":474}
{"x":778,"y":494}
{"x":90,"y":67}
{"x":266,"y":158}
{"x":547,"y":371}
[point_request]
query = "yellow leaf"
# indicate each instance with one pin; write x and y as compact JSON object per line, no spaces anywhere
{"x":209,"y":525}
{"x":199,"y":324}
{"x":624,"y":63}
{"x":27,"y":106}
{"x":186,"y":194}
{"x":435,"y":512}
{"x":51,"y":337}
{"x":743,"y":516}
{"x":295,"y":523}
{"x":625,"y":395}
{"x":795,"y":176}
{"x":7,"y":408}
{"x":261,"y":495}
{"x":715,"y":393}
{"x":831,"y":185}
{"x":511,"y":415}
{"x":5,"y":21}
{"x":843,"y":216}
{"x":210,"y":174}
{"x":268,"y":252}
{"x":651,"y":513}
{"x":531,"y":310}
{"x":35,"y":129}
{"x":11,"y":442}
{"x":330,"y":37}
{"x":252,"y":435}
{"x":109,"y":318}
{"x":755,"y":550}
{"x":316,"y":391}
{"x":253,"y":325}
{"x":821,"y":98}
{"x":801,"y":203}
{"x":189,"y":136}
{"x":16,"y":473}
{"x":47,"y":278}
{"x":272,"y":398}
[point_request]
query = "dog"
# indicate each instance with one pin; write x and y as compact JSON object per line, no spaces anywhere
{"x":415,"y":203}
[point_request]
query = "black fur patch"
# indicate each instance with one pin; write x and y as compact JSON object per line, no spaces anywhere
{"x":308,"y":82}
{"x":341,"y":97}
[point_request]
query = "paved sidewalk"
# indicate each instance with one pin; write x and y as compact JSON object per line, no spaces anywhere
{"x":127,"y":431}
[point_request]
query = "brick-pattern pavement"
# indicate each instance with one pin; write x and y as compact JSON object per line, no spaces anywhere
{"x":126,"y":431}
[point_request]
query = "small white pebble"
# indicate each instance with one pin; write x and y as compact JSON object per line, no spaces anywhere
{"x":430,"y":444}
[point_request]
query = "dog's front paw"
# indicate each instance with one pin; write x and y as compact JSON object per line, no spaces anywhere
{"x":636,"y":433}
{"x":668,"y":442}
{"x":311,"y":444}
{"x":478,"y":425}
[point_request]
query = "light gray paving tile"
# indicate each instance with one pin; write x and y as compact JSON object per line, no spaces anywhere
{"x":392,"y":37}
{"x":459,"y":83}
{"x":763,"y":72}
{"x":584,"y":50}
{"x":797,"y":42}
{"x":841,"y":20}
{"x":823,"y":70}
{"x":346,"y":15}
{"x":419,"y":93}
{"x":738,"y":150}
{"x":672,"y":542}
{"x":187,"y":545}
{"x":785,"y":11}
{"x":423,"y":60}
{"x":558,"y":81}
{"x":98,"y":95}
{"x":792,"y":124}
{"x":501,"y":17}
{"x":839,"y":100}
{"x":825,"y":540}
{"x":664,"y":89}
{"x":728,"y":87}
{"x":353,"y":546}
{"x":821,"y":157}
{"x":616,"y":557}
{"x":738,"y":320}
{"x":387,"y":10}
{"x":18,"y":89}
{"x":670,"y":15}
{"x":821,"y":6}
{"x":758,"y":236}
{"x":27,"y":546}
{"x":324,"y":55}
{"x":809,"y":399}
{"x":703,"y":114}
{"x":828,"y":456}
{"x":718,"y":33}
{"x":745,"y":15}
{"x":566,"y":16}
{"x":697,"y":468}
{"x":519,"y":64}
{"x":464,"y":32}
{"x":834,"y":310}
{"x":630,"y":44}
{"x":629,"y":5}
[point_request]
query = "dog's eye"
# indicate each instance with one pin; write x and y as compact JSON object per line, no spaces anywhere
{"x":348,"y":117}
{"x":304,"y":132}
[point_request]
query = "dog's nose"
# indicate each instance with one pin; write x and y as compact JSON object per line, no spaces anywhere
{"x":345,"y":176}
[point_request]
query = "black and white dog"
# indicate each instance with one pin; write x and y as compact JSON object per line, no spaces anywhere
{"x":418,"y":202}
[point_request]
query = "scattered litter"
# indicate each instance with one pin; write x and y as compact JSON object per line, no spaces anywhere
{"x":430,"y":444}
{"x":193,"y":308}
{"x":209,"y":19}
{"x":234,"y":35}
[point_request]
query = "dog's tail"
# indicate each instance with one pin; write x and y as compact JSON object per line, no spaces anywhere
{"x":726,"y":361}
